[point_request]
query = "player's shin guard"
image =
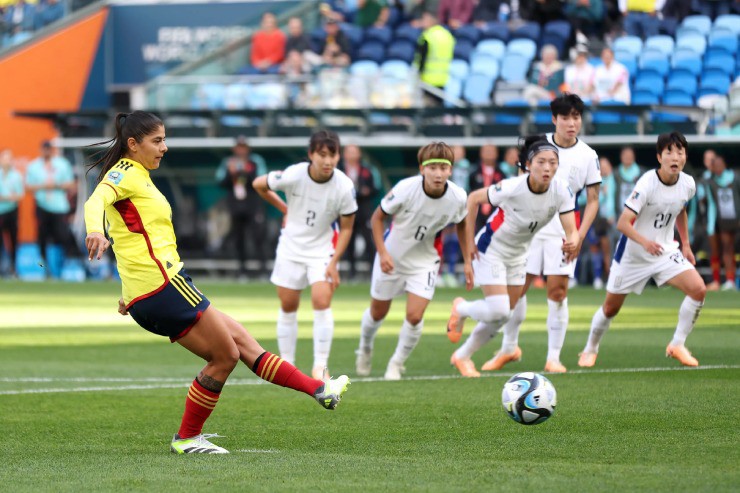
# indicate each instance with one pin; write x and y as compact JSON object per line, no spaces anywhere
{"x":687,"y":315}
{"x":369,"y":327}
{"x":323,"y":332}
{"x":599,"y":325}
{"x":407,"y":341}
{"x":511,"y":328}
{"x":198,"y":406}
{"x":287,"y":334}
{"x":274,"y":369}
{"x":557,"y":324}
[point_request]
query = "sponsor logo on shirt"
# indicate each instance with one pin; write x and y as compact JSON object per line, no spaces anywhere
{"x":635,"y":195}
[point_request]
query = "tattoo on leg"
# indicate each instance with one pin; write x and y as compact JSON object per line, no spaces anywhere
{"x":210,"y":383}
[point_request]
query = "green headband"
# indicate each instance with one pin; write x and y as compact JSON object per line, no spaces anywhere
{"x":436,"y":160}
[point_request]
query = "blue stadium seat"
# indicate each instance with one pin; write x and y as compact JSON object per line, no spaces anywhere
{"x":649,"y":82}
{"x":687,"y":60}
{"x":469,"y":32}
{"x":645,"y":97}
{"x":496,"y":30}
{"x":463,"y":49}
{"x":380,"y":34}
{"x":528,"y":30}
{"x":628,"y":60}
{"x":730,"y":22}
{"x":714,"y":84}
{"x":401,"y":50}
{"x":605,"y":116}
{"x":407,"y":32}
{"x":655,"y":62}
{"x":453,"y":89}
{"x":700,"y":23}
{"x":677,"y":98}
{"x":396,"y":69}
{"x":715,"y":72}
{"x":668,"y":26}
{"x":723,"y":42}
{"x":494,"y":47}
{"x":632,"y":44}
{"x":316,"y":38}
{"x":354,"y":35}
{"x":235,"y":96}
{"x":364,"y":68}
{"x":693,"y":42}
{"x":514,"y":68}
{"x":683,"y":82}
{"x":372,"y":50}
{"x":459,"y":69}
{"x":722,"y":62}
{"x":478,"y":89}
{"x":482,"y":63}
{"x":556,"y":33}
{"x":542,"y":117}
{"x":508,"y":118}
{"x":523,"y":47}
{"x":661,"y":43}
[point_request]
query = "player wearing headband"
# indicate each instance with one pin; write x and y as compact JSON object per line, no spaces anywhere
{"x":522,"y":206}
{"x":579,"y":168}
{"x":408,"y":254}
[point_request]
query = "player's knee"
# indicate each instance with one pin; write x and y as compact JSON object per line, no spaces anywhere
{"x":610,"y":310}
{"x":557,"y":294}
{"x":414,"y":319}
{"x":322,"y":304}
{"x":699,"y":292}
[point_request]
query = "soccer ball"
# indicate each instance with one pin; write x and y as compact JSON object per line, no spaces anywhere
{"x":529,"y":398}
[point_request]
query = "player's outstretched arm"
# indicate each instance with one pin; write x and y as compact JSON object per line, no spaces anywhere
{"x":377,"y":224}
{"x":624,"y":225}
{"x":260,"y":185}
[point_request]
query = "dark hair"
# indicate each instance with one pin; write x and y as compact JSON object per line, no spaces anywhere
{"x":668,"y":140}
{"x":435,"y":150}
{"x":567,"y":104}
{"x":526,"y":144}
{"x":138,"y":125}
{"x":324,"y":139}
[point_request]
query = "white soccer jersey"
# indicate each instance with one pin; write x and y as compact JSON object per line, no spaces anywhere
{"x":657,"y":205}
{"x":519,"y":214}
{"x":312,"y":210}
{"x":578,"y":167}
{"x":418,"y":220}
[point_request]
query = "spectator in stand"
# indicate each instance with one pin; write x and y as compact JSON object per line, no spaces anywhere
{"x":366,"y":191}
{"x":455,"y":13}
{"x":20,"y":16}
{"x":11,"y":192}
{"x":601,"y":234}
{"x":485,"y":174}
{"x":246,"y":209}
{"x":371,"y":13}
{"x":298,"y":43}
{"x":509,"y":165}
{"x":547,"y":77}
{"x":434,"y":53}
{"x":460,"y":169}
{"x":335,"y":46}
{"x":50,"y":178}
{"x":641,"y":17}
{"x":714,"y":8}
{"x":723,"y":195}
{"x":586,"y":16}
{"x":490,"y":11}
{"x":676,"y":10}
{"x":268,"y":47}
{"x":626,"y":176}
{"x":416,"y":8}
{"x":579,"y":76}
{"x":541,"y":11}
{"x":48,"y":11}
{"x":702,"y":194}
{"x":611,"y":80}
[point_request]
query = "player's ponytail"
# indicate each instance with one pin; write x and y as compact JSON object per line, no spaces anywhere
{"x":135,"y":125}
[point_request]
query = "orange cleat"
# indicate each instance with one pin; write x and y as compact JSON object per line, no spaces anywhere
{"x":555,"y":367}
{"x":455,"y":323}
{"x":681,"y":354}
{"x":586,"y":359}
{"x":500,"y":359}
{"x":466,"y":367}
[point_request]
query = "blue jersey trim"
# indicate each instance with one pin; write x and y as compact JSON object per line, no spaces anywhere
{"x":620,"y":248}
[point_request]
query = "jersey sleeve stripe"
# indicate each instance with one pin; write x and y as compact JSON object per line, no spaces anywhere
{"x":594,"y":183}
{"x":112,"y":188}
{"x":384,"y":211}
{"x":630,"y":208}
{"x":351,"y":213}
{"x":566,"y":212}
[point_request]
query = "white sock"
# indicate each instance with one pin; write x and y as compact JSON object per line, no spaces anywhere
{"x":557,"y":324}
{"x":480,"y":336}
{"x":407,"y":341}
{"x":492,"y":309}
{"x":511,"y":328}
{"x":368,"y":328}
{"x":323,"y":331}
{"x":687,"y":315}
{"x":599,"y":325}
{"x":287,"y":335}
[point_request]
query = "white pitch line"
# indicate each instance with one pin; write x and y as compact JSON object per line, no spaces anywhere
{"x":181,"y":383}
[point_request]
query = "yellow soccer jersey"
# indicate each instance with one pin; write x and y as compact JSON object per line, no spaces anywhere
{"x":138,"y":221}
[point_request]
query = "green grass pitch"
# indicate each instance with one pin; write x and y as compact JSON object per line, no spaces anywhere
{"x":89,"y":402}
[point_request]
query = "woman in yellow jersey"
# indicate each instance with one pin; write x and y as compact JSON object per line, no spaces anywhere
{"x":128,"y":212}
